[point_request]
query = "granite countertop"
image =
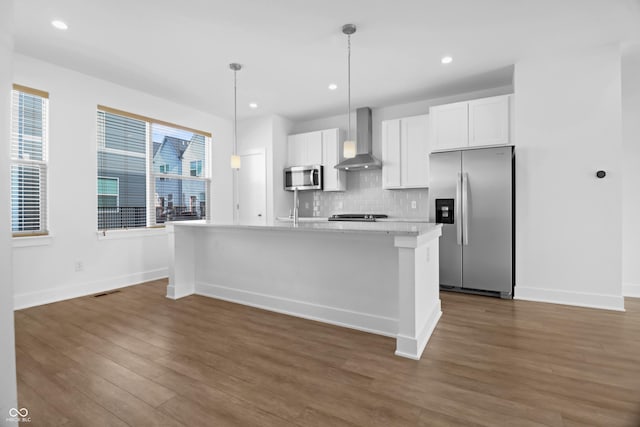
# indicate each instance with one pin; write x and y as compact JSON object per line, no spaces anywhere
{"x":325,"y":219}
{"x":385,"y":227}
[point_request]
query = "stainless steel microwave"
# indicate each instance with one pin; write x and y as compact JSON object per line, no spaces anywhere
{"x":303,"y":178}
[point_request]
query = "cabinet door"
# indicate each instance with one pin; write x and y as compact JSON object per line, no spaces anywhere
{"x":414,"y":136}
{"x":449,"y":126}
{"x":313,"y":145}
{"x":489,"y":121}
{"x":334,"y":179}
{"x":391,"y":171}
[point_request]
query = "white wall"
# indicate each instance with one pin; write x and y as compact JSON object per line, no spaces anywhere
{"x":379,"y":114}
{"x":282,"y":200}
{"x":255,"y":135}
{"x":108,"y":263}
{"x":268,"y":134}
{"x":568,"y":126}
{"x":8,"y":398}
{"x":631,"y":170}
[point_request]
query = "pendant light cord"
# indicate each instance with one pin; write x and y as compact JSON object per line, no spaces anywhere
{"x":235,"y":113}
{"x":349,"y":87}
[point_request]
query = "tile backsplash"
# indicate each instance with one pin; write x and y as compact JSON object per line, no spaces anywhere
{"x":365,"y":195}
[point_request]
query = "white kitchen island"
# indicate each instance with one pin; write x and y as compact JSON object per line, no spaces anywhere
{"x":378,"y":277}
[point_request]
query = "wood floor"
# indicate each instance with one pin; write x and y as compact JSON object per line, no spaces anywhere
{"x":136,"y":358}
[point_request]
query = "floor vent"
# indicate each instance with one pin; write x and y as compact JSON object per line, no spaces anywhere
{"x":106,"y":293}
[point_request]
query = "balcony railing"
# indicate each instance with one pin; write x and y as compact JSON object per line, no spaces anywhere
{"x":136,"y":217}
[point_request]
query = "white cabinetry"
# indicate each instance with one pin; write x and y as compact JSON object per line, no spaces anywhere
{"x":319,"y":148}
{"x":449,"y":126}
{"x":305,"y":149}
{"x":334,"y":179}
{"x":405,"y":152}
{"x":479,"y":122}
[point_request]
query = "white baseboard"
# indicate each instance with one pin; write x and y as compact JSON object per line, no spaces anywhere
{"x":171,"y":293}
{"x":336,"y":316}
{"x":47,"y":296}
{"x":631,"y":290}
{"x":413,"y":348}
{"x":580,"y":299}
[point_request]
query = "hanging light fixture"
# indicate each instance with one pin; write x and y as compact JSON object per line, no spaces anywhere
{"x":235,"y":159}
{"x":349,"y":146}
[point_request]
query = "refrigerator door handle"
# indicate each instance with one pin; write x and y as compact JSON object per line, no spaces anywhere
{"x":465,"y":209}
{"x":458,"y":209}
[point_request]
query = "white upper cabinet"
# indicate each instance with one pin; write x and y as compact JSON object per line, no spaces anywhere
{"x":334,"y":179}
{"x":415,"y":149}
{"x":319,"y":148}
{"x":449,"y":126}
{"x":314,"y":148}
{"x":405,"y":152}
{"x":305,"y":149}
{"x":391,"y":171}
{"x":479,"y":122}
{"x":489,"y":121}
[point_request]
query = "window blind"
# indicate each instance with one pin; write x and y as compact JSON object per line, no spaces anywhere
{"x":29,"y":160}
{"x":121,"y":183}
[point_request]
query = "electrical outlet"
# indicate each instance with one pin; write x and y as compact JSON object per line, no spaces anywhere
{"x":413,"y":204}
{"x":79,"y":266}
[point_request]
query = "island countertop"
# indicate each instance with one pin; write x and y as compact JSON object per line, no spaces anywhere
{"x":379,"y":277}
{"x":389,"y":228}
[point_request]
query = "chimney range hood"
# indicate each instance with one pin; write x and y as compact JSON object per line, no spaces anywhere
{"x":364,"y":158}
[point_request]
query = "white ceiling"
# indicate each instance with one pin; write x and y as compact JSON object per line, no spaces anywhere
{"x":292,"y":49}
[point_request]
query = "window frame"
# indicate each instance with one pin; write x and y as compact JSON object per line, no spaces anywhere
{"x":151,"y":175}
{"x":41,"y":165}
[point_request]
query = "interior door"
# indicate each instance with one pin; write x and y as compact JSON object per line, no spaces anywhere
{"x":252,"y":190}
{"x":488,"y":238}
{"x":444,"y":170}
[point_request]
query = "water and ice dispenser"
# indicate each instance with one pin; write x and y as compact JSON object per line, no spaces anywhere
{"x":445,"y":211}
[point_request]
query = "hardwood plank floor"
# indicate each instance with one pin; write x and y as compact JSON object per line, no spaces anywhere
{"x":137,"y":358}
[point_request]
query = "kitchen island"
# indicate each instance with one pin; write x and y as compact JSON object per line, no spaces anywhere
{"x":378,"y":277}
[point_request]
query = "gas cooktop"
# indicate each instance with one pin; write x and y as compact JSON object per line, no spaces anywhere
{"x":356,"y":217}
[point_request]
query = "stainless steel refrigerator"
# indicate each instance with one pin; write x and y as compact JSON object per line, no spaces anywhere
{"x":471,"y":193}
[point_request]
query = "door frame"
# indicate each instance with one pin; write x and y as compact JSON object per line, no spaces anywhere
{"x":236,"y":184}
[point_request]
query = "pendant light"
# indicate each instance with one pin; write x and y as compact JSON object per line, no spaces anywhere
{"x":235,"y":159}
{"x":349,"y":146}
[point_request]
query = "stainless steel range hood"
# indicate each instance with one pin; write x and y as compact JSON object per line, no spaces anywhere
{"x":364,"y":158}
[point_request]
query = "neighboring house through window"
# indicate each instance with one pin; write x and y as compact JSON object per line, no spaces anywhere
{"x":108,"y":192}
{"x":29,"y":161}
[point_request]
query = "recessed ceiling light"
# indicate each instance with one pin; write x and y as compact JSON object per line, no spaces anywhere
{"x":253,"y":105}
{"x":59,"y":25}
{"x":446,"y":60}
{"x":333,"y":86}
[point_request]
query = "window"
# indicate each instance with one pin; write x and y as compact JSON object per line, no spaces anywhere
{"x":108,"y":192}
{"x":179,"y":156}
{"x":122,"y":143}
{"x":29,"y":158}
{"x":196,"y":168}
{"x":146,"y":171}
